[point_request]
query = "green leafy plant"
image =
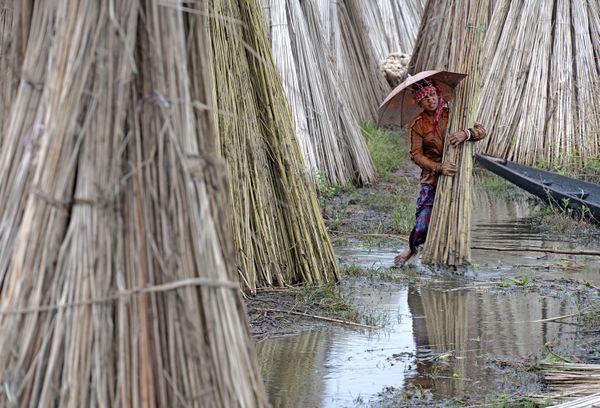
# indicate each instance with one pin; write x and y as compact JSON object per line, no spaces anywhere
{"x":523,"y":281}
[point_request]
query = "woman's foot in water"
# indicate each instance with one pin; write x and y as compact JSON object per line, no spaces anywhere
{"x":402,"y":257}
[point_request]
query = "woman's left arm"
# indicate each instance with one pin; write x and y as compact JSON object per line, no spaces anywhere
{"x":477,"y":132}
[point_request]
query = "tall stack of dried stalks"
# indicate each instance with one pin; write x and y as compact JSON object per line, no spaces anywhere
{"x":362,"y":84}
{"x":540,"y":84}
{"x":462,"y":26}
{"x":327,"y":130}
{"x":391,"y":25}
{"x":278,"y":229}
{"x":118,"y":287}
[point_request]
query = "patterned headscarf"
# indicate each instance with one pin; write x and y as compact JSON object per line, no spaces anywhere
{"x":423,"y":88}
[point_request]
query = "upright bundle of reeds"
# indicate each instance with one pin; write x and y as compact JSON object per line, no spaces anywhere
{"x":278,"y":229}
{"x":362,"y":84}
{"x":119,"y":289}
{"x":505,"y":53}
{"x":544,"y":58}
{"x":407,"y":17}
{"x":449,"y":237}
{"x":280,"y":35}
{"x":328,"y":132}
{"x":391,"y":25}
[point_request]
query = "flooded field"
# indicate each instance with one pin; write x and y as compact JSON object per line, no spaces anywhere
{"x":443,"y":337}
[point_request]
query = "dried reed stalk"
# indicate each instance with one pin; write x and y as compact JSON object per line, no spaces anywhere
{"x":120,"y":289}
{"x":572,"y":380}
{"x":278,"y":230}
{"x":449,"y":237}
{"x":24,"y":125}
{"x":8,"y":60}
{"x":581,"y":402}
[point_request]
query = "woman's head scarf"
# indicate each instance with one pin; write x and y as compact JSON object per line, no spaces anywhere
{"x":425,"y":87}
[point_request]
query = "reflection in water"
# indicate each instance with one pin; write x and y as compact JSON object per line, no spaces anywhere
{"x":473,"y":325}
{"x":335,"y":366}
{"x":501,"y":220}
{"x":293,"y":368}
{"x":504,"y":221}
{"x":360,"y":364}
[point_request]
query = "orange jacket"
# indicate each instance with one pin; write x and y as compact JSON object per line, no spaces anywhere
{"x":427,"y":145}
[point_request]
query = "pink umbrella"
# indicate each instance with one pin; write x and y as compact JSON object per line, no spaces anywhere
{"x":399,"y":107}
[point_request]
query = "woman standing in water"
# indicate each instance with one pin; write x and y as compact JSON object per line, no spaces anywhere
{"x":426,"y":133}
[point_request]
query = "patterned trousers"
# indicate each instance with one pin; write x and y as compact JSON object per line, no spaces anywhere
{"x":423,"y":216}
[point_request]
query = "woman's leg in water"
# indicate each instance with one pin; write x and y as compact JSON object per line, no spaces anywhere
{"x":422,"y":217}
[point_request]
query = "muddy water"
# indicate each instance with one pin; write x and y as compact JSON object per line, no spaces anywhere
{"x":448,"y":337}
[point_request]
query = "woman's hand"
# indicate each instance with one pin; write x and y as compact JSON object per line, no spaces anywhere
{"x":449,"y":169}
{"x":457,"y":138}
{"x":480,"y":131}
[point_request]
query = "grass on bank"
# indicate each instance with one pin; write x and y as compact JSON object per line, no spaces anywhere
{"x":589,"y":172}
{"x":564,"y":221}
{"x":389,"y":153}
{"x":335,"y":302}
{"x":387,"y":149}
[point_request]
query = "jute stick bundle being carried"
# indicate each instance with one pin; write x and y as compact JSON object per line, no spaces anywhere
{"x":446,"y":204}
{"x":449,"y":239}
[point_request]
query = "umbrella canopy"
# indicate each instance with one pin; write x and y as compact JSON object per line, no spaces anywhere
{"x":399,"y":107}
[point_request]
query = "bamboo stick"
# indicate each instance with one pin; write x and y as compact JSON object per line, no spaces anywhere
{"x":534,"y":249}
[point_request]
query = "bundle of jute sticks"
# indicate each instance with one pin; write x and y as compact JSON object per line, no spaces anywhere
{"x":279,"y":232}
{"x":540,"y":82}
{"x":391,"y":26}
{"x":117,"y":281}
{"x":577,"y":384}
{"x":326,"y":117}
{"x":462,"y":27}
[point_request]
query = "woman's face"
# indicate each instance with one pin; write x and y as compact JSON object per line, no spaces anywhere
{"x":430,"y":102}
